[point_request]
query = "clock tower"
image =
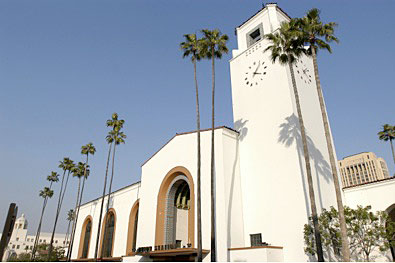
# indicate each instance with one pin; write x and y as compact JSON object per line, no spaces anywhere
{"x":274,"y":186}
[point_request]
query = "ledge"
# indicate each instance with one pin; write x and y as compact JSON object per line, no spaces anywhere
{"x":254,"y":247}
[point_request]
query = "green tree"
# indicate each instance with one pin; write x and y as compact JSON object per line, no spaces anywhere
{"x":56,"y":255}
{"x":191,"y":47}
{"x":318,"y":37}
{"x":45,"y":194}
{"x":286,"y":48}
{"x":388,"y":134}
{"x":213,"y":45}
{"x":87,"y":150}
{"x":115,"y":124}
{"x":66,"y":165}
{"x":367,"y":232}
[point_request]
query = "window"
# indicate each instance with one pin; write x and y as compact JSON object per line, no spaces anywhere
{"x":31,"y":247}
{"x":41,"y":240}
{"x":108,"y":236}
{"x":56,"y":241}
{"x":18,"y":246}
{"x":13,"y":246}
{"x":256,"y":240}
{"x":27,"y":247}
{"x":255,"y":35}
{"x":87,"y":236}
{"x":17,"y":239}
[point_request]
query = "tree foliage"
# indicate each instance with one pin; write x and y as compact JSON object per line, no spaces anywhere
{"x":368,"y":233}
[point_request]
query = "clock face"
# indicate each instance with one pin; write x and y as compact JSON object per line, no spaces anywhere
{"x":255,"y":73}
{"x":303,"y":72}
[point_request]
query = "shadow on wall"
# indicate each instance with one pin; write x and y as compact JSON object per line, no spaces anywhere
{"x":240,"y":126}
{"x":290,"y":133}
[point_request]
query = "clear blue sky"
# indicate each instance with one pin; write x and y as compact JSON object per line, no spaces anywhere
{"x":66,"y":66}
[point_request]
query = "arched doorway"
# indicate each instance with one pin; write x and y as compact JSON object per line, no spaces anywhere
{"x":132,"y":229}
{"x":175,"y":210}
{"x":85,"y":237}
{"x":107,"y":234}
{"x":391,"y":219}
{"x":176,"y":213}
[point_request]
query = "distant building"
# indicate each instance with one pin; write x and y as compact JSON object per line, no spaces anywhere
{"x":21,"y":242}
{"x":362,"y":168}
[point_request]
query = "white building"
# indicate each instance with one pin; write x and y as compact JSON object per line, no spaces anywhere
{"x":261,"y":189}
{"x":21,"y":242}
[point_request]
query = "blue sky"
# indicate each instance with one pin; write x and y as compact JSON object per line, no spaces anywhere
{"x":66,"y":66}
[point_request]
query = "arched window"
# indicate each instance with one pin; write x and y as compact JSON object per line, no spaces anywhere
{"x":108,"y":235}
{"x":85,"y":237}
{"x":85,"y":246}
{"x":132,"y":230}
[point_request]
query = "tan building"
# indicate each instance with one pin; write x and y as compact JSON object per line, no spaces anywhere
{"x":362,"y":168}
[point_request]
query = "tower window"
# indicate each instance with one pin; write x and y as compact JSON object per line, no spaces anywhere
{"x":256,"y":240}
{"x":255,"y":35}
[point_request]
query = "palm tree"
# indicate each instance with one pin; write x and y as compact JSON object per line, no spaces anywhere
{"x":45,"y":193}
{"x":117,"y":137}
{"x":70,"y":218}
{"x":85,"y":150}
{"x":191,"y":47}
{"x":110,"y":123}
{"x":318,"y":35}
{"x":213,"y":46}
{"x":286,"y":49}
{"x":78,"y":172}
{"x":66,"y":165}
{"x":388,"y":134}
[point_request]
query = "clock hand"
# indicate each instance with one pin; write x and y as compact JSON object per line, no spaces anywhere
{"x":259,"y":64}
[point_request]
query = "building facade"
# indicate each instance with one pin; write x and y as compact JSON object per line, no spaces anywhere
{"x":21,"y":242}
{"x":362,"y":168}
{"x":261,"y":190}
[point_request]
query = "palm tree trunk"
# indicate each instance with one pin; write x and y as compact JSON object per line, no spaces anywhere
{"x":39,"y":228}
{"x":199,"y":209}
{"x":74,"y":225}
{"x":60,"y":201}
{"x":102,"y":203}
{"x":213,"y":245}
{"x":67,"y":234}
{"x":392,"y":148}
{"x":314,"y":216}
{"x":78,"y":208}
{"x":109,"y":195}
{"x":342,"y":220}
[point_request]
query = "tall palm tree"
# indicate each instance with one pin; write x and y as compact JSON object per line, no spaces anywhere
{"x":117,"y":137}
{"x":70,"y":218}
{"x":388,"y":134}
{"x":85,"y":150}
{"x":286,"y":49}
{"x":110,"y":123}
{"x":191,"y":47}
{"x":66,"y":165}
{"x":46,"y":193}
{"x":318,"y":36}
{"x":78,"y":172}
{"x":213,"y":46}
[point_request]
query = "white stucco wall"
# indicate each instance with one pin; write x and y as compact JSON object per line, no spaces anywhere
{"x":257,"y":255}
{"x":272,"y":165}
{"x":122,"y":202}
{"x":379,"y":195}
{"x":180,"y":151}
